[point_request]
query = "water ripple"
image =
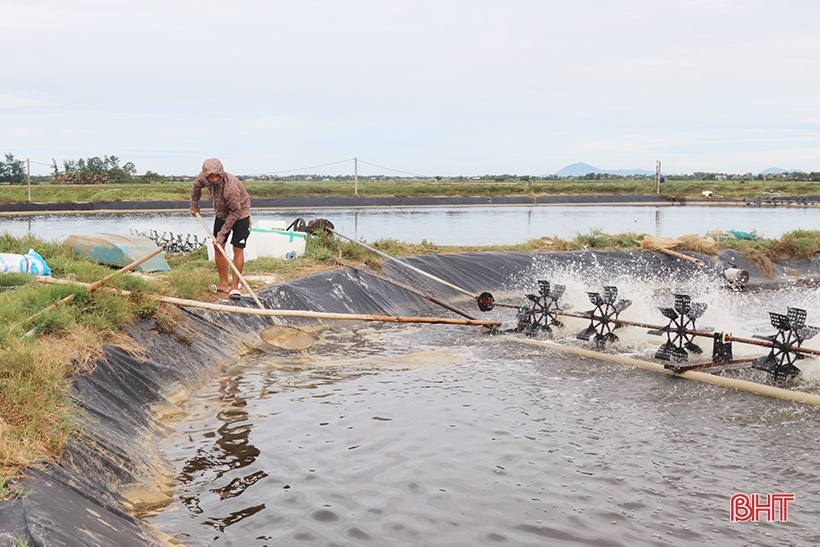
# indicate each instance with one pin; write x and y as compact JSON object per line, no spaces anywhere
{"x":435,"y":437}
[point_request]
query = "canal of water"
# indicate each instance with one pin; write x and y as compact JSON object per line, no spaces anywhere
{"x":457,"y":225}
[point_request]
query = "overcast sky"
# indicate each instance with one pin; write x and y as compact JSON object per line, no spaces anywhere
{"x":435,"y":87}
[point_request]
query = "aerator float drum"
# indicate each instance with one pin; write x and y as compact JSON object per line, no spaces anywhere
{"x":541,"y":313}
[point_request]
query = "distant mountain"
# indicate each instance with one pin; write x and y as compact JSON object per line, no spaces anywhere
{"x":774,"y":171}
{"x":580,"y":169}
{"x":577,"y":169}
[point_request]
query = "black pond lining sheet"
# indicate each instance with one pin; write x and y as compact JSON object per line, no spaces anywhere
{"x":429,"y":201}
{"x":338,"y":202}
{"x":79,"y":500}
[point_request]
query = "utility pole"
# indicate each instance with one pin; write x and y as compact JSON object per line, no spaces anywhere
{"x":28,"y":176}
{"x":658,"y":177}
{"x":355,"y":176}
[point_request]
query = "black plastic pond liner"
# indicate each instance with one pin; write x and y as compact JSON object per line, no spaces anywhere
{"x":83,"y":500}
{"x":344,"y":202}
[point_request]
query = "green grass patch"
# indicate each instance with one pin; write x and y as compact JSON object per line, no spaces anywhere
{"x":42,"y":349}
{"x":15,"y":279}
{"x":596,"y":240}
{"x":34,"y":405}
{"x":681,"y":189}
{"x":797,"y":244}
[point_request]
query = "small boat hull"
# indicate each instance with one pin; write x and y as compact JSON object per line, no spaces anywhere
{"x":117,"y":250}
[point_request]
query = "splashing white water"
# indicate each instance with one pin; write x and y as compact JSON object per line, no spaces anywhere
{"x":742,"y":314}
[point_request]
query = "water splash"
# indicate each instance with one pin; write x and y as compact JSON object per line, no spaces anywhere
{"x":639,"y":279}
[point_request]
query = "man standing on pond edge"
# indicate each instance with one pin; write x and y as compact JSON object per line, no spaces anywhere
{"x":232,"y":206}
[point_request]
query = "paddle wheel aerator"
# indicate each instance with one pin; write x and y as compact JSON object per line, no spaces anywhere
{"x":792,"y":331}
{"x":604,"y":318}
{"x":679,"y":338}
{"x":541,"y":313}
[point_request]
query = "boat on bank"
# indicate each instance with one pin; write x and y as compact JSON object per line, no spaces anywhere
{"x":117,"y":250}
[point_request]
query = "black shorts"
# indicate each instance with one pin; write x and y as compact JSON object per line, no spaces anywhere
{"x":241,"y":230}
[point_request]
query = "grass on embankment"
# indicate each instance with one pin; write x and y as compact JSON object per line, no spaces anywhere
{"x":36,"y":371}
{"x":55,"y":193}
{"x":39,"y":355}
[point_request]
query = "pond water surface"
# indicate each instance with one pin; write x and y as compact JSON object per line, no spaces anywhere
{"x":445,"y":435}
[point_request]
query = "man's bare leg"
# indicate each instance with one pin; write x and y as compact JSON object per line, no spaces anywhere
{"x":239,"y":262}
{"x":222,"y":270}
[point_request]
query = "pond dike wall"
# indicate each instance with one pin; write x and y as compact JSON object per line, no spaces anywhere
{"x":337,"y":202}
{"x":113,"y":469}
{"x":347,"y":202}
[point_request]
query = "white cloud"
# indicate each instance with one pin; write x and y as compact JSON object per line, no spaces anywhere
{"x":15,"y":101}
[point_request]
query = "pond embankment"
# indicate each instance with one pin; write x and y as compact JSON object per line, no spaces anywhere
{"x":337,"y":202}
{"x":111,"y":469}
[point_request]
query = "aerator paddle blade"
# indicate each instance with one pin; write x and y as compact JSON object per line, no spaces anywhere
{"x":670,"y":352}
{"x":286,"y":337}
{"x":486,"y":301}
{"x":669,"y":312}
{"x":587,"y":333}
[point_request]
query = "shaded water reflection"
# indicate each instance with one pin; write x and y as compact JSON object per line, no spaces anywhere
{"x":230,"y":451}
{"x":441,"y":436}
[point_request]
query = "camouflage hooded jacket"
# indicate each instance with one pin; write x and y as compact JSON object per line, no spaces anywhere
{"x":230,"y":198}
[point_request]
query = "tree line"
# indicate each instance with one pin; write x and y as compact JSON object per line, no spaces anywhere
{"x":94,"y":170}
{"x":12,"y":170}
{"x":107,"y":169}
{"x":795,"y":176}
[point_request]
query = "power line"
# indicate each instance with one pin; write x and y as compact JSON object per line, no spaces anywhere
{"x":305,"y":168}
{"x":394,"y":170}
{"x":32,"y":161}
{"x":337,"y":163}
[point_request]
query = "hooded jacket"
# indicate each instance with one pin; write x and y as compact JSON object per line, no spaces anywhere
{"x":230,"y":198}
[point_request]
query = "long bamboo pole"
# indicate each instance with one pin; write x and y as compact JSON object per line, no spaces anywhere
{"x":682,"y":256}
{"x":149,"y":256}
{"x":292,"y":313}
{"x":413,"y":268}
{"x":742,"y":385}
{"x":404,"y":286}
